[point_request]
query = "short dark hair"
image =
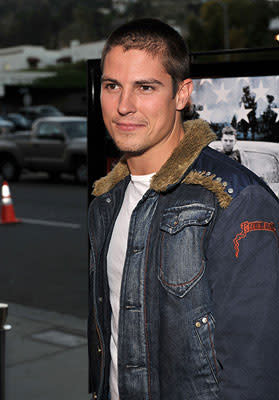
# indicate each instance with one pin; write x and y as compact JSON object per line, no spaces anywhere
{"x":157,"y":39}
{"x":229,"y":130}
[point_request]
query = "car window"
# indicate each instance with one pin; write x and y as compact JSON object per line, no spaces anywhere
{"x":47,"y":130}
{"x":75,"y":129}
{"x":49,"y":112}
{"x":264,"y":165}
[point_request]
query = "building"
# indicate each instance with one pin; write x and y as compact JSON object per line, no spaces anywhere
{"x":18,"y":64}
{"x":25,"y":57}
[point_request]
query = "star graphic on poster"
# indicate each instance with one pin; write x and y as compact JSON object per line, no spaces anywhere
{"x":242,"y":113}
{"x":222,"y":93}
{"x":202,"y":81}
{"x":276,"y":110}
{"x":261,"y":91}
{"x":205,"y":113}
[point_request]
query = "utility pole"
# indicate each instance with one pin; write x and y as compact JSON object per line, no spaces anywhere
{"x":3,"y":329}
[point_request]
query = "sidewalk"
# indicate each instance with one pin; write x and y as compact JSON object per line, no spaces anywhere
{"x":46,"y":355}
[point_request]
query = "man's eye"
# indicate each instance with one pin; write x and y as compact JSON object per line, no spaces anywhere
{"x":146,"y":88}
{"x":111,"y":86}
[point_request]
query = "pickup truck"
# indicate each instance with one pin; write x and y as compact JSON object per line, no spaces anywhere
{"x":54,"y":145}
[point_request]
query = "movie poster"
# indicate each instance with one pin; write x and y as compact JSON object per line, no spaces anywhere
{"x":251,"y":106}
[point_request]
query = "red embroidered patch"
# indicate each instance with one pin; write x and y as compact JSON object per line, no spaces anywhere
{"x":247,"y":227}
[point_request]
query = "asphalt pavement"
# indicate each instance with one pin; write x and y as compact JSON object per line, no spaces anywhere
{"x":46,"y":355}
{"x":43,"y":278}
{"x":44,"y":259}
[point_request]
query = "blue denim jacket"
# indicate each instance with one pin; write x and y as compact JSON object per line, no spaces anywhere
{"x":198,"y":307}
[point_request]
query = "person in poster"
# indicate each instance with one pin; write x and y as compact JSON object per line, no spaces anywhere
{"x":248,"y":99}
{"x":269,"y":119}
{"x":183,"y":278}
{"x":228,"y":140}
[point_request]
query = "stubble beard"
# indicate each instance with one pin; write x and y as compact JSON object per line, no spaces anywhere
{"x":128,"y":151}
{"x":132,"y":150}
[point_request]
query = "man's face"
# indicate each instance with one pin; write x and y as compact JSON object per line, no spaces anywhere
{"x":139,"y":109}
{"x":228,"y":142}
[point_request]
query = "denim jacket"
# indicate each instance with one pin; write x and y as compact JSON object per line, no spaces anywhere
{"x":199,"y":296}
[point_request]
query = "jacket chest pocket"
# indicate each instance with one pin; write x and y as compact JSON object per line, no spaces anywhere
{"x":181,"y":247}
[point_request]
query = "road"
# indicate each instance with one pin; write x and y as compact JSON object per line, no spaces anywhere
{"x":43,"y":260}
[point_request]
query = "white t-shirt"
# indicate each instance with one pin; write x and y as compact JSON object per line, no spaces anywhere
{"x":136,"y":188}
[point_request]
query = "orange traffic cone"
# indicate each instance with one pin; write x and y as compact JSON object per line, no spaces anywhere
{"x":7,"y":212}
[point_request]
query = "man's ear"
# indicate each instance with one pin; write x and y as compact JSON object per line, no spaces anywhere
{"x":183,"y":94}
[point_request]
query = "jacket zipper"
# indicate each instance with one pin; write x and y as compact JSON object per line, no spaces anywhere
{"x":96,"y":321}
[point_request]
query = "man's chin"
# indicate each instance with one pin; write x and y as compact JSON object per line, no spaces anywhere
{"x":130,"y":151}
{"x":133,"y":153}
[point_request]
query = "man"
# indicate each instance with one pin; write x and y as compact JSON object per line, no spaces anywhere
{"x":248,"y":99}
{"x":228,"y":142}
{"x":183,"y":291}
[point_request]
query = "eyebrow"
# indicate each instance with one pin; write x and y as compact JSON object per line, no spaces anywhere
{"x":150,"y":81}
{"x":107,"y":79}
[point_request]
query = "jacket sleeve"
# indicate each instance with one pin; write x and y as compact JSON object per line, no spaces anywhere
{"x":243,"y":272}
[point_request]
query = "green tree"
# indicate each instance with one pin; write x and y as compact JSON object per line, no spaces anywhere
{"x":54,"y":24}
{"x":140,"y":9}
{"x":248,"y":22}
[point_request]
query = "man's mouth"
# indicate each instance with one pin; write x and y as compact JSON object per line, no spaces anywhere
{"x":128,"y":126}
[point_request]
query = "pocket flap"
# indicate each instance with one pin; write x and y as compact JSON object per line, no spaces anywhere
{"x":176,"y":218}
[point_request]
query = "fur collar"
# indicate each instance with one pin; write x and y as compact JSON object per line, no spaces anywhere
{"x":197,"y":136}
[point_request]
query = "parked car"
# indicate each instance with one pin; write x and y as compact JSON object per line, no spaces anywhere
{"x":54,"y":145}
{"x":260,"y":157}
{"x":20,"y":122}
{"x":34,"y":112}
{"x":6,"y":126}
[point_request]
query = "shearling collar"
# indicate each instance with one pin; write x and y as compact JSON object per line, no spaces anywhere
{"x":197,"y":136}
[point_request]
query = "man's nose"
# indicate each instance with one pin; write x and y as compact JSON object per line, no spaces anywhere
{"x":126,"y":103}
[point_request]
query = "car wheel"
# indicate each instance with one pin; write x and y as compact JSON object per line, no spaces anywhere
{"x":10,"y":170}
{"x":81,"y":173}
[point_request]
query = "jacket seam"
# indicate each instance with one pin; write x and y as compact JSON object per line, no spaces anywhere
{"x":145,"y":317}
{"x":94,"y":312}
{"x":212,"y":346}
{"x":100,"y":341}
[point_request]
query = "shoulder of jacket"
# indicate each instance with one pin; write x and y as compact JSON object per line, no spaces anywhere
{"x":222,"y":175}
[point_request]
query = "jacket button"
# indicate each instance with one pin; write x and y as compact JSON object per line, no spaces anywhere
{"x":136,"y":250}
{"x":198,"y":324}
{"x":204,"y":320}
{"x":230,"y":190}
{"x":99,"y":350}
{"x":108,"y":200}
